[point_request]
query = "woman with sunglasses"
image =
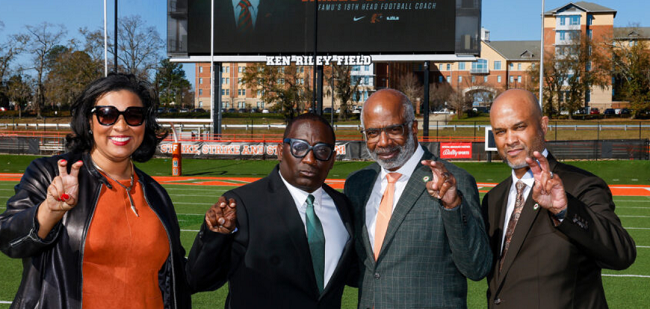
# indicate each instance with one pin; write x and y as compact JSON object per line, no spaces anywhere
{"x":92,"y":229}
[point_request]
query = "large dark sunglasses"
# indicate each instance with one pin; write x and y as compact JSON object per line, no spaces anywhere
{"x":300,"y":148}
{"x":108,"y":115}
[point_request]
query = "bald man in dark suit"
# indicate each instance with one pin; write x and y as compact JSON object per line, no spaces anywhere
{"x":552,"y":226}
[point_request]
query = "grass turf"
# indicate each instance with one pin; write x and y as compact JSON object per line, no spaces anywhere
{"x":191,"y":202}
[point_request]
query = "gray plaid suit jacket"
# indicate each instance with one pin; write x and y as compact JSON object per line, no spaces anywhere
{"x":428,"y":252}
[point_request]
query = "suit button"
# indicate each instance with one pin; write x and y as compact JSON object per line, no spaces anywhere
{"x":377,"y":276}
{"x":497,"y":301}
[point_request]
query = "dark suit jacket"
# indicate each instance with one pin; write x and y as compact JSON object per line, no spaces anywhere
{"x":281,"y":26}
{"x":557,"y":267}
{"x":428,"y":252}
{"x":267,"y":261}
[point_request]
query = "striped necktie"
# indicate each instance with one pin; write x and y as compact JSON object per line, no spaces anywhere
{"x":245,"y":21}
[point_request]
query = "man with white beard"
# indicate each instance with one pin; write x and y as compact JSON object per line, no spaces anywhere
{"x":418,"y":226}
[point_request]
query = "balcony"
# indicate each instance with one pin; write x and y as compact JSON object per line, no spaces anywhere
{"x":479,"y":71}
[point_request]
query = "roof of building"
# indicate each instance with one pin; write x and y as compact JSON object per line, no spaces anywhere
{"x":583,"y":5}
{"x":621,"y":33}
{"x":517,"y":50}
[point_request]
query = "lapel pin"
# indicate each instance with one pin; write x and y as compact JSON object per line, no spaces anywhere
{"x":425,"y":178}
{"x":536,"y":206}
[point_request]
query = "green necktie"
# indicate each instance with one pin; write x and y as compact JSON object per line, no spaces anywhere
{"x":316,"y":240}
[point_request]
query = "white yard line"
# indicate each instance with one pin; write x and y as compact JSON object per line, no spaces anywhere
{"x":628,"y":276}
{"x":195,"y":231}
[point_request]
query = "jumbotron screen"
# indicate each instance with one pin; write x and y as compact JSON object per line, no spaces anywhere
{"x":274,"y":27}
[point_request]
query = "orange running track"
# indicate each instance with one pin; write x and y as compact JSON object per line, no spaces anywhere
{"x":617,"y":190}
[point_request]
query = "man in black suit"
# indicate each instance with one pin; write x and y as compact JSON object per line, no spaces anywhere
{"x":284,"y":241}
{"x":552,"y":226}
{"x":250,"y":26}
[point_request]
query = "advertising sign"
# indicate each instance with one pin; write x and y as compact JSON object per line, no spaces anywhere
{"x":456,"y":150}
{"x":347,"y":27}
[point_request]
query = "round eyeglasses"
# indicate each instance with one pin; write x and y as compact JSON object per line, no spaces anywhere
{"x":300,"y":148}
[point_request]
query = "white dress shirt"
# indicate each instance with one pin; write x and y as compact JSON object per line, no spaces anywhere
{"x":336,"y":236}
{"x":252,"y":9}
{"x":372,"y":207}
{"x":512,"y":196}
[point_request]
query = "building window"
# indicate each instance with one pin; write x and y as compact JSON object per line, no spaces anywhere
{"x":461,"y":65}
{"x":200,"y":80}
{"x":512,"y":66}
{"x":200,"y":104}
{"x":440,"y":79}
{"x":512,"y":79}
{"x":497,"y":65}
{"x":228,"y":69}
{"x":562,"y":20}
{"x":367,"y":80}
{"x":519,"y":79}
{"x":200,"y":91}
{"x":473,"y":79}
{"x":485,"y":79}
{"x":498,"y":78}
{"x":460,"y":79}
{"x":366,"y":68}
{"x":590,"y":20}
{"x":302,"y":70}
{"x":239,"y":81}
{"x":562,"y":35}
{"x":575,"y":20}
{"x":448,"y":66}
{"x":518,"y":66}
{"x":240,"y":69}
{"x":481,"y":66}
{"x":590,"y":34}
{"x":200,"y":69}
{"x":449,"y":79}
{"x":588,"y":66}
{"x":259,"y":93}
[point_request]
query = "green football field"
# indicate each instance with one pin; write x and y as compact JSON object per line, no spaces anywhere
{"x":624,"y":289}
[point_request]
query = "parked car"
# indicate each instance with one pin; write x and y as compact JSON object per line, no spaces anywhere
{"x":242,"y":110}
{"x":594,"y":111}
{"x":609,"y":112}
{"x":232,"y":110}
{"x":198,"y":110}
{"x":327,"y":110}
{"x":172,"y":110}
{"x":265,"y":111}
{"x":161,"y":110}
{"x":184,"y":110}
{"x":625,"y":111}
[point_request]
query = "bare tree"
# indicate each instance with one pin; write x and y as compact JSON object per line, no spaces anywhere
{"x":630,"y":63}
{"x":411,"y":87}
{"x":344,"y":87}
{"x":139,"y":46}
{"x":439,"y":93}
{"x":41,"y":40}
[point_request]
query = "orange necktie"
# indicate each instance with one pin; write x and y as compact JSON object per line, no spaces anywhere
{"x":385,"y":211}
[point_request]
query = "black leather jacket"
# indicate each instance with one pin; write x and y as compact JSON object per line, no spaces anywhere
{"x":52,"y":267}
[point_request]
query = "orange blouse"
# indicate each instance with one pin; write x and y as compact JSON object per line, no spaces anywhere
{"x":123,"y":253}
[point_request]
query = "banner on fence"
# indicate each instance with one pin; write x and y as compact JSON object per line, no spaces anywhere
{"x":233,"y":150}
{"x":456,"y":150}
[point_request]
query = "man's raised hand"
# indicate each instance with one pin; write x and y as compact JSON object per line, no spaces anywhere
{"x":548,"y":191}
{"x":443,"y":184}
{"x":222,"y":216}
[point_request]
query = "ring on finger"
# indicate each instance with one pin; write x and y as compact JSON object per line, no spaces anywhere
{"x":551,"y":175}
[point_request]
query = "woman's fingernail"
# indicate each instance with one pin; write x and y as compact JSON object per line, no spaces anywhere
{"x":65,"y":196}
{"x":64,"y":161}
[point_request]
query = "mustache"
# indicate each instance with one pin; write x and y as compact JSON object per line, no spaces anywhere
{"x":385,"y":150}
